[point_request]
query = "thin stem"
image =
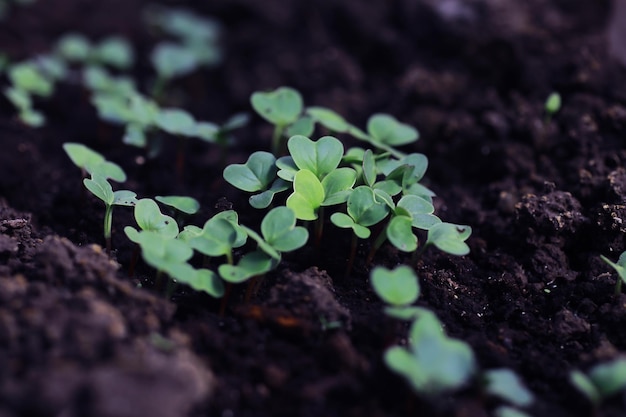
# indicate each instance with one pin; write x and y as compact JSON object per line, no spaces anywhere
{"x":108,"y":216}
{"x":353,"y":246}
{"x":380,"y":239}
{"x":277,"y":140}
{"x":224,"y":303}
{"x":618,"y":286}
{"x":319,"y":227}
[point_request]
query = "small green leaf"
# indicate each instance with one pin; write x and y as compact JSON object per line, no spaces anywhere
{"x":100,"y":187}
{"x":264,"y":199}
{"x":400,"y":235}
{"x":176,"y":122}
{"x":286,"y":168}
{"x":307,"y":196}
{"x":149,"y":218}
{"x":188,"y":205}
{"x":364,"y":207}
{"x":609,"y":378}
{"x":255,"y":175}
{"x":620,"y":266}
{"x":115,"y":51}
{"x":74,"y":47}
{"x":171,"y":60}
{"x":303,"y":126}
{"x":27,"y":77}
{"x":506,"y":385}
{"x":450,"y":238}
{"x":124,"y":198}
{"x":553,"y":103}
{"x":345,"y":222}
{"x":385,"y":129}
{"x":280,"y":107}
{"x":585,"y":385}
{"x":250,"y":265}
{"x":505,"y":411}
{"x":328,"y":118}
{"x":398,"y":287}
{"x":338,"y":186}
{"x":369,"y":168}
{"x":280,"y":231}
{"x":320,"y":157}
{"x":218,"y":237}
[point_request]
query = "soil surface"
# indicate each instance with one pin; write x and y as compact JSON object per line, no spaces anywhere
{"x":545,"y":198}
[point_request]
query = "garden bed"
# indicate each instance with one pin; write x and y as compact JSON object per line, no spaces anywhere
{"x":545,"y":197}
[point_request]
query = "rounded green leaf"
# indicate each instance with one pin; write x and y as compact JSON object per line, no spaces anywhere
{"x":320,"y":157}
{"x":171,"y":60}
{"x":400,"y":234}
{"x":250,"y":265}
{"x":279,"y":230}
{"x":585,"y":385}
{"x":149,"y":218}
{"x":74,"y":47}
{"x":280,"y":107}
{"x":345,"y":222}
{"x":505,"y":384}
{"x":101,"y":188}
{"x":338,"y":186}
{"x":255,"y":175}
{"x":26,"y":76}
{"x":176,"y":122}
{"x":307,"y":196}
{"x":397,"y":287}
{"x":185,"y":204}
{"x":218,"y":237}
{"x":303,"y":126}
{"x":115,"y":51}
{"x":609,"y":378}
{"x":450,"y":238}
{"x":386,"y":129}
{"x":328,"y":118}
{"x":364,"y":208}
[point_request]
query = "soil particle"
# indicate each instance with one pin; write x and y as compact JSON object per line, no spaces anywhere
{"x":567,"y":324}
{"x":555,"y":213}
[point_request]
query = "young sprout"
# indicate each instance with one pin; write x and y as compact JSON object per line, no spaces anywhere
{"x":321,"y":157}
{"x":433,"y":363}
{"x":552,"y":106}
{"x":187,"y":205}
{"x":602,"y":381}
{"x":219,"y":236}
{"x":24,"y":104}
{"x":329,"y":119}
{"x":257,"y":174}
{"x":449,"y":238}
{"x":90,"y":161}
{"x":100,"y":187}
{"x":113,"y":51}
{"x":149,"y":218}
{"x":620,"y":268}
{"x":398,"y":288}
{"x":99,"y":81}
{"x":171,"y":60}
{"x":506,"y":385}
{"x":30,"y":78}
{"x":281,"y":107}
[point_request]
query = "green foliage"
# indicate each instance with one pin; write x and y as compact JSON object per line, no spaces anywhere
{"x":279,"y":232}
{"x":187,"y":205}
{"x":553,"y":104}
{"x":257,"y":174}
{"x":433,"y":363}
{"x":506,"y":385}
{"x":449,"y":238}
{"x":620,"y":268}
{"x":307,"y":197}
{"x":252,"y":264}
{"x":113,"y":51}
{"x":385,"y":130}
{"x":171,"y":60}
{"x":149,"y":218}
{"x":29,"y":77}
{"x":219,"y":235}
{"x":280,"y":107}
{"x":329,"y":119}
{"x":365,"y":208}
{"x":91,"y":162}
{"x":602,"y":381}
{"x":24,"y":104}
{"x":320,"y":157}
{"x":398,"y":287}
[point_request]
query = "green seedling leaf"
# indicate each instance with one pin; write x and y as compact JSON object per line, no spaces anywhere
{"x":114,"y":51}
{"x":219,"y":236}
{"x":183,"y":23}
{"x":32,"y":118}
{"x":369,"y":168}
{"x":365,"y":208}
{"x":585,"y":385}
{"x":286,"y":168}
{"x":255,"y":175}
{"x":188,"y":205}
{"x":97,"y":79}
{"x":354,"y":155}
{"x":149,"y":218}
{"x":609,"y":378}
{"x":620,"y":268}
{"x":250,"y":265}
{"x":164,"y":254}
{"x":400,"y":235}
{"x":206,"y":131}
{"x":23,"y":102}
{"x":393,"y":168}
{"x":203,"y":280}
{"x":124,"y":198}
{"x":74,"y":47}
{"x":506,"y":385}
{"x":320,"y":157}
{"x":405,"y":313}
{"x":346,"y":222}
{"x":328,"y":118}
{"x":420,"y":210}
{"x":176,"y":122}
{"x":100,"y":187}
{"x":134,"y":135}
{"x":450,"y":238}
{"x":264,"y":199}
{"x":26,"y":76}
{"x":397,"y":287}
{"x":553,"y":103}
{"x":307,"y":197}
{"x":52,"y":67}
{"x":280,"y":107}
{"x":171,"y":60}
{"x":236,"y":121}
{"x":280,"y":231}
{"x":303,"y":126}
{"x":385,"y":129}
{"x":92,"y":161}
{"x":434,"y":363}
{"x":338,"y":186}
{"x":189,"y":232}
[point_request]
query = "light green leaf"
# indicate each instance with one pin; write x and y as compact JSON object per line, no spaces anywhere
{"x":506,"y":385}
{"x":280,"y":231}
{"x":400,"y":235}
{"x":188,"y":205}
{"x":450,"y":238}
{"x":338,"y":186}
{"x":385,"y":129}
{"x":149,"y":218}
{"x":320,"y":157}
{"x":280,"y":107}
{"x":250,"y":265}
{"x":328,"y":118}
{"x":100,"y":187}
{"x":345,"y":222}
{"x":255,"y":175}
{"x":176,"y":122}
{"x":115,"y":51}
{"x":398,"y":287}
{"x":303,"y":126}
{"x":171,"y":60}
{"x":364,"y":208}
{"x":307,"y":196}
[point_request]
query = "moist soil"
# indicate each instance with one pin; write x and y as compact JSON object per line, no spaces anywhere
{"x":545,"y":198}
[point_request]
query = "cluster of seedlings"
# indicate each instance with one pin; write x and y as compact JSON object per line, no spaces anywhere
{"x":372,"y":191}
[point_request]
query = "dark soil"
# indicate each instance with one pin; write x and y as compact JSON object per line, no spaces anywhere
{"x":544,"y":199}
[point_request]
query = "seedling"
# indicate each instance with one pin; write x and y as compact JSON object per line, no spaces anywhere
{"x":552,"y":106}
{"x":113,"y":51}
{"x":90,"y":161}
{"x":506,"y":385}
{"x":149,"y":218}
{"x":620,"y":267}
{"x":24,"y":104}
{"x":449,"y":238}
{"x":99,"y":81}
{"x":187,"y":205}
{"x":365,"y":208}
{"x":100,"y":187}
{"x":329,"y":119}
{"x":433,"y":363}
{"x":171,"y":60}
{"x":386,"y":132}
{"x":602,"y":381}
{"x":398,"y":288}
{"x":257,"y":174}
{"x":219,"y":236}
{"x":281,"y":107}
{"x":29,"y":77}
